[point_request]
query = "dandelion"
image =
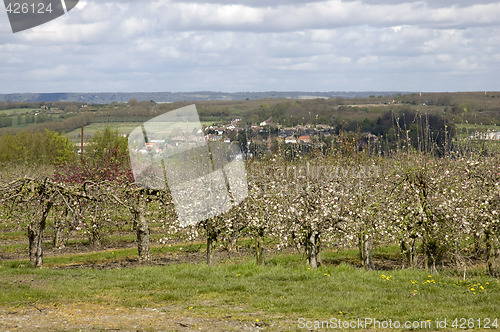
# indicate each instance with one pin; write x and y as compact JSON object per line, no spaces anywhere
{"x":257,"y":320}
{"x":190,"y":308}
{"x":238,"y":275}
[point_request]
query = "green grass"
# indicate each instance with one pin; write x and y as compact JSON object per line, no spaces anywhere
{"x":123,"y":128}
{"x":466,"y":130}
{"x":285,"y":287}
{"x":16,"y":110}
{"x":93,"y":257}
{"x":208,"y":123}
{"x":18,"y":235}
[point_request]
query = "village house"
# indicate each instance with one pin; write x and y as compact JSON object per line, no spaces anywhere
{"x":304,"y":139}
{"x":267,"y":122}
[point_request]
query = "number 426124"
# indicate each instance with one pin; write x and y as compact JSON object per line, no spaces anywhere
{"x":471,"y":323}
{"x":29,"y":8}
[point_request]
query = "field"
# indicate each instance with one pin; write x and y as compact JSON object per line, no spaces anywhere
{"x":123,"y":128}
{"x":346,"y":228}
{"x":15,"y":110}
{"x":108,"y":289}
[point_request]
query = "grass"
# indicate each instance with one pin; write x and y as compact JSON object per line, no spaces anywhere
{"x":123,"y":128}
{"x":235,"y":290}
{"x":17,"y":235}
{"x":285,"y":287}
{"x":466,"y":130}
{"x":15,"y":110}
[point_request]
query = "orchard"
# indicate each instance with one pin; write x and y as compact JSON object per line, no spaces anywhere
{"x":439,"y":210}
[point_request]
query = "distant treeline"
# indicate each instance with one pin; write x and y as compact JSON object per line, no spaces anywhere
{"x":68,"y":124}
{"x":35,"y":148}
{"x":369,"y":114}
{"x":64,"y":105}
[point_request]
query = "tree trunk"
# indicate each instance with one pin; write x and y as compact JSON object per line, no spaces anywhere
{"x":95,"y":223}
{"x":35,"y":234}
{"x":429,"y":251}
{"x":409,"y":251}
{"x":425,"y":252}
{"x":210,"y":248}
{"x":492,"y":253}
{"x":313,"y":249}
{"x":95,"y":236}
{"x":365,"y":249}
{"x":58,"y":238}
{"x":212,"y":236}
{"x":259,"y":249}
{"x":476,"y":244}
{"x":232,"y":243}
{"x":59,"y":225}
{"x":142,"y":229}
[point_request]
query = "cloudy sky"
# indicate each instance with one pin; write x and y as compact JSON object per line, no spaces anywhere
{"x":257,"y":45}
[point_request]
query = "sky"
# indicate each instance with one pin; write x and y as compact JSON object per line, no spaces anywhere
{"x":257,"y":45}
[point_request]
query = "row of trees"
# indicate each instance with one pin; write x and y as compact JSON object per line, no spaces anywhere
{"x":438,"y":210}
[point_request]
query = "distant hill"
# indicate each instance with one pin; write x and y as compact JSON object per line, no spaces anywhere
{"x":170,"y":97}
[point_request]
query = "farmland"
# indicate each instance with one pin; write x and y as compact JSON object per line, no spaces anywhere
{"x":379,"y":210}
{"x":177,"y":292}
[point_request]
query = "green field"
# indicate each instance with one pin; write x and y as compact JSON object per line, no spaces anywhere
{"x":464,"y":129}
{"x":123,"y":128}
{"x":97,"y":282}
{"x":15,"y":110}
{"x":107,"y":289}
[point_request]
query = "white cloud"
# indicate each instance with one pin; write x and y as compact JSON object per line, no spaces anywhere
{"x":234,"y":45}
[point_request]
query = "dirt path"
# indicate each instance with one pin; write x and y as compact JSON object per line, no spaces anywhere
{"x":93,"y":317}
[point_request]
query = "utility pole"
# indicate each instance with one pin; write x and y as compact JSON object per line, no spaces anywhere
{"x":81,"y":145}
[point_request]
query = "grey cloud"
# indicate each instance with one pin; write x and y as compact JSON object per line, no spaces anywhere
{"x":252,"y":45}
{"x":320,"y":15}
